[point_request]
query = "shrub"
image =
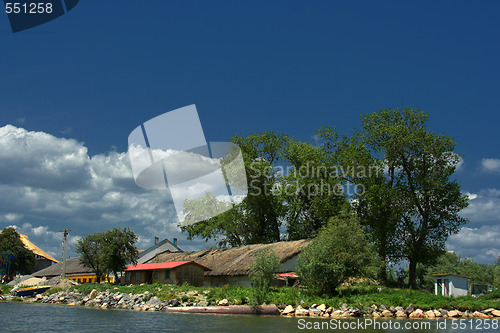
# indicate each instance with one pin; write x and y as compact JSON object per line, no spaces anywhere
{"x":262,"y":272}
{"x":339,"y":251}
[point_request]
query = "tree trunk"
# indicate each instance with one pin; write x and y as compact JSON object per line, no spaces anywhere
{"x":412,"y":274}
{"x":382,"y":274}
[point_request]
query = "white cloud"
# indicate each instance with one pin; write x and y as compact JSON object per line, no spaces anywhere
{"x":484,"y":207}
{"x":490,"y":165}
{"x":52,"y":183}
{"x":483,"y":243}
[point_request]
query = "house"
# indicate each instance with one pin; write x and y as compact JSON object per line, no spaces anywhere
{"x":158,"y":248}
{"x":74,"y":271}
{"x":232,"y":266}
{"x":177,"y":272}
{"x":451,"y":285}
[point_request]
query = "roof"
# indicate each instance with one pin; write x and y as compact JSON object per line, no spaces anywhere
{"x":289,"y":274}
{"x":234,"y":261}
{"x":35,"y":249}
{"x":462,"y":276}
{"x":153,"y":251}
{"x":162,"y":265}
{"x":73,"y":266}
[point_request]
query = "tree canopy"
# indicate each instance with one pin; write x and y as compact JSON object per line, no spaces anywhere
{"x":108,"y":252}
{"x":11,"y":243}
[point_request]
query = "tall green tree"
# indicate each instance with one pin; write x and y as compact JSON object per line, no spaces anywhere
{"x":257,"y":219}
{"x":419,"y":165}
{"x":119,"y":250}
{"x":91,"y":250}
{"x":108,"y":252}
{"x":11,"y":243}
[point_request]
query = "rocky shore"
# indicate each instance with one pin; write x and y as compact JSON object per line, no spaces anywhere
{"x":198,"y":303}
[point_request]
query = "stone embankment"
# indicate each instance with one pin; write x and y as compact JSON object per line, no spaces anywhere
{"x":382,"y":311}
{"x":147,"y":302}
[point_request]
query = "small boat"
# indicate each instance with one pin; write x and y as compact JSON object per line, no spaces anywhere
{"x":31,"y":291}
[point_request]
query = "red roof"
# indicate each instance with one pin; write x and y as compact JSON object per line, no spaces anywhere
{"x":290,"y":274}
{"x":161,"y":265}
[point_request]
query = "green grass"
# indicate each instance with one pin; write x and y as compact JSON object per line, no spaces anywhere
{"x":360,"y":296}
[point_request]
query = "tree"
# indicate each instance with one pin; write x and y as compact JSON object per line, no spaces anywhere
{"x":289,"y":189}
{"x":339,"y":251}
{"x":108,"y":252}
{"x":262,"y":272}
{"x":119,"y":250}
{"x":418,"y":193}
{"x":91,"y":249}
{"x":11,"y":243}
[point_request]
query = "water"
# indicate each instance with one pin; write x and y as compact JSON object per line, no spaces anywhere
{"x":15,"y":317}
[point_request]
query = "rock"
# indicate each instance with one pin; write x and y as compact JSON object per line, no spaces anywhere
{"x":314,"y":305}
{"x":337,"y":313}
{"x":146,"y":292}
{"x":326,"y":314}
{"x":314,"y":312}
{"x":429,"y":314}
{"x":321,"y":307}
{"x":444,"y":312}
{"x":401,"y":314}
{"x":386,"y":313}
{"x":437,"y":313}
{"x":39,"y":297}
{"x":495,"y":313}
{"x":454,"y":313}
{"x":223,"y":302}
{"x":301,"y":312}
{"x":410,"y":309}
{"x":288,"y":310}
{"x":203,"y":303}
{"x":93,"y":294}
{"x":398,"y":308}
{"x":344,"y":307}
{"x":382,"y":307}
{"x":417,"y":314}
{"x":478,"y":314}
{"x":329,"y":310}
{"x":487,"y":311}
{"x":174,"y":302}
{"x":376,"y":314}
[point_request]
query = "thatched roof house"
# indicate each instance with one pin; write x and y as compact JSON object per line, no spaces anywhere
{"x":232,"y":265}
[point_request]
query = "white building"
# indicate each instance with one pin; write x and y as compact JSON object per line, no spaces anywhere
{"x":451,"y":285}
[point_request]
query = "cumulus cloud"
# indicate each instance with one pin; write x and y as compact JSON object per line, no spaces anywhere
{"x":483,"y":243}
{"x":490,"y":165}
{"x":484,"y":207}
{"x":49,"y":183}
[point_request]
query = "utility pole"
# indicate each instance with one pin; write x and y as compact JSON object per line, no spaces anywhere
{"x":65,"y":233}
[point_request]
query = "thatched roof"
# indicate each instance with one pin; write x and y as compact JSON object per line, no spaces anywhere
{"x":73,"y":267}
{"x":233,"y":261}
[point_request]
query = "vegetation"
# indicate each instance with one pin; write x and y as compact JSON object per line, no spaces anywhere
{"x":108,"y":252}
{"x":262,"y":273}
{"x":361,"y":296}
{"x":339,"y":252}
{"x":404,"y":194}
{"x":10,"y":242}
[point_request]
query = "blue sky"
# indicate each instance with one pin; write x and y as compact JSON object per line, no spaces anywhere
{"x":96,"y":73}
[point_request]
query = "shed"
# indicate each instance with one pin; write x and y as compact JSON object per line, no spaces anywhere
{"x":176,"y":272}
{"x":451,"y":285}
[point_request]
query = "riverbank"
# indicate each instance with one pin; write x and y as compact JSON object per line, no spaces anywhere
{"x":356,"y":302}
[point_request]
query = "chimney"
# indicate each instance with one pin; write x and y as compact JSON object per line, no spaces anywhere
{"x":156,"y":240}
{"x":175,"y":241}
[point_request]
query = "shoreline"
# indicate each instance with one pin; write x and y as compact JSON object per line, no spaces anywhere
{"x":147,"y":302}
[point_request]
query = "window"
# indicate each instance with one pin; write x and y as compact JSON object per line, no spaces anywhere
{"x":137,"y":276}
{"x":167,"y":274}
{"x":128,"y":276}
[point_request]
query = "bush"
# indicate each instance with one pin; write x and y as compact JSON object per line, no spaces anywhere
{"x":262,"y":272}
{"x":339,"y":251}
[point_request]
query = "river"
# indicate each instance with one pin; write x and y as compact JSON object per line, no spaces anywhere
{"x":22,"y":317}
